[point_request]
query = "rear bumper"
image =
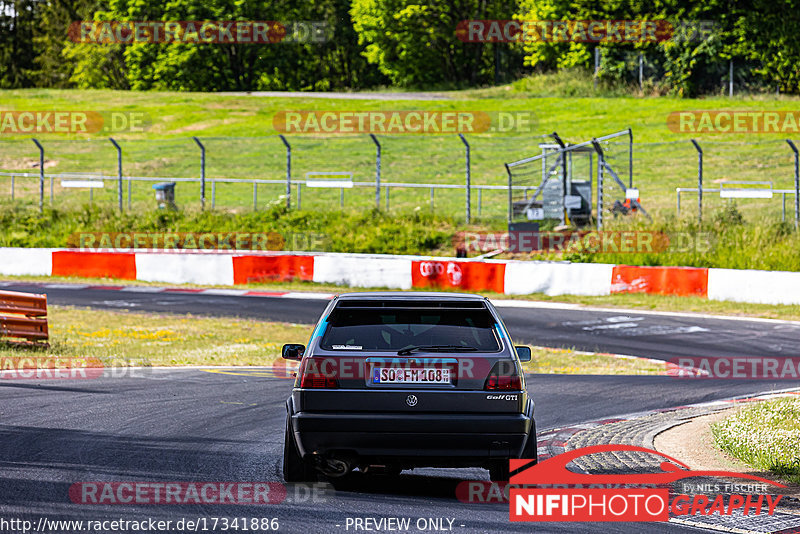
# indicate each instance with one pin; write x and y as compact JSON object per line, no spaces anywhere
{"x":413,"y":436}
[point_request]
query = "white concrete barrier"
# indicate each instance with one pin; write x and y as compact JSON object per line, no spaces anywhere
{"x":26,"y":261}
{"x":748,"y":285}
{"x":363,"y":271}
{"x":185,"y":268}
{"x":558,"y":278}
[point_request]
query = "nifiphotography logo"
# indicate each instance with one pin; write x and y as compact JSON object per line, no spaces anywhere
{"x":640,"y":497}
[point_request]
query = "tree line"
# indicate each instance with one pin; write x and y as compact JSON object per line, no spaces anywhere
{"x":400,"y":43}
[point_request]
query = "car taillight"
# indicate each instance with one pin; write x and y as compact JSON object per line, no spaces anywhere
{"x":503,"y":377}
{"x":312,"y":377}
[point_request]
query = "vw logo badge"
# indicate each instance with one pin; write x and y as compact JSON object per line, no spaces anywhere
{"x":411,"y":400}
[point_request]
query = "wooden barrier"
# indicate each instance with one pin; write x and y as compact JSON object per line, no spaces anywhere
{"x":28,"y":316}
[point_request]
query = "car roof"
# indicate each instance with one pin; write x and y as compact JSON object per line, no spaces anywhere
{"x":410,"y":295}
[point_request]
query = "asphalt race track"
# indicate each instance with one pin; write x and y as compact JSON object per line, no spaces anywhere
{"x":661,"y":336}
{"x":195,"y":425}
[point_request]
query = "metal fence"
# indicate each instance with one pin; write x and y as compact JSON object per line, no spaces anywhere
{"x":214,"y":171}
{"x":743,"y":189}
{"x":462,"y":176}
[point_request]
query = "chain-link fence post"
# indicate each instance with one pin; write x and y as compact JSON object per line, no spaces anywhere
{"x":699,"y":182}
{"x":600,"y":166}
{"x":565,"y":191}
{"x":468,"y":178}
{"x":289,"y":174}
{"x":119,"y":171}
{"x":510,"y":196}
{"x":377,"y":171}
{"x":630,"y":158}
{"x":202,"y":173}
{"x":41,"y":174}
{"x":796,"y":185}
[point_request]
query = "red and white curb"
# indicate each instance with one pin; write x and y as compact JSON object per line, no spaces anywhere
{"x":552,"y":442}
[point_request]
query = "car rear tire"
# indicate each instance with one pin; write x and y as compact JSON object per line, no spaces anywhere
{"x":531,"y":450}
{"x":498,"y":469}
{"x":295,"y":469}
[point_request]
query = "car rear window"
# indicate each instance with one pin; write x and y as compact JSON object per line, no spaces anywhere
{"x":392,"y":329}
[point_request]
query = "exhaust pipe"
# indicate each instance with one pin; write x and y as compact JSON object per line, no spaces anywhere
{"x":336,"y":467}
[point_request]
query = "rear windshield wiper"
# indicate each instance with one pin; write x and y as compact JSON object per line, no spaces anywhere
{"x":436,"y":348}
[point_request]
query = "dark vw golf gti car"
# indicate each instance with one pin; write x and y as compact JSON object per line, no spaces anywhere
{"x":396,"y":380}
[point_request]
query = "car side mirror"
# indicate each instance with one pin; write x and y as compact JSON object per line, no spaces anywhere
{"x":293,"y":351}
{"x":524,"y":353}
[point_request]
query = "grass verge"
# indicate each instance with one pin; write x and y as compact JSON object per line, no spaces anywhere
{"x":764,"y":435}
{"x":242,"y":142}
{"x":134,"y":339}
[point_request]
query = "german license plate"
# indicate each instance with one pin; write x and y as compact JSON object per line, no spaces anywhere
{"x":422,"y":375}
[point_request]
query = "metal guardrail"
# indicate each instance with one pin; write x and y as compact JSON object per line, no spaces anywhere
{"x":29,"y":316}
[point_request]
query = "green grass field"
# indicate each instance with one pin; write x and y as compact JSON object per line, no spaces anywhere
{"x":765,"y":436}
{"x":242,"y":143}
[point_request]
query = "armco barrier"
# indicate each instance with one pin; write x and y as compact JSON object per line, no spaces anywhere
{"x":28,"y":319}
{"x":406,"y":272}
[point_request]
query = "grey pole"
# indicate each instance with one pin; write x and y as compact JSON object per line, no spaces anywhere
{"x":41,"y":174}
{"x":679,"y":204}
{"x":564,"y":190}
{"x":641,"y":72}
{"x":288,"y":173}
{"x":12,"y":187}
{"x":796,"y":185}
{"x":783,"y":208}
{"x":730,"y":79}
{"x":469,"y":177}
{"x":119,"y":171}
{"x":377,"y":171}
{"x":596,"y":65}
{"x":600,"y":165}
{"x":630,"y":158}
{"x":202,"y":173}
{"x":299,"y":197}
{"x":699,"y":182}
{"x":510,"y":196}
{"x":255,"y":196}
